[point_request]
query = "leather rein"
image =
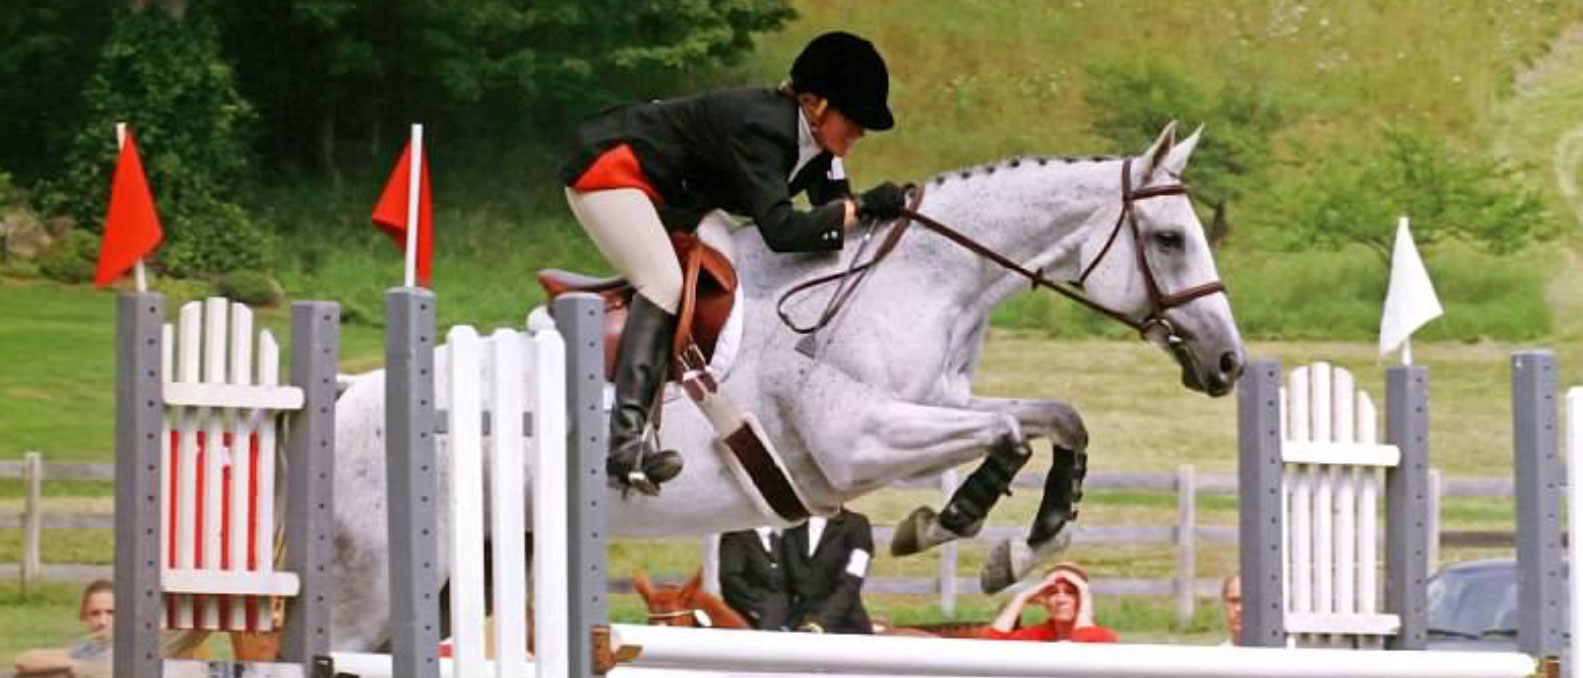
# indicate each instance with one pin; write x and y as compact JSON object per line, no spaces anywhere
{"x":1159,"y":302}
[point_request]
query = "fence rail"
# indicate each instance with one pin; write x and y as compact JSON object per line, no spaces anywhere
{"x":1185,"y":585}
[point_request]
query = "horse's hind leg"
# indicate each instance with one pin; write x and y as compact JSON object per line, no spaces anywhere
{"x":1010,"y":560}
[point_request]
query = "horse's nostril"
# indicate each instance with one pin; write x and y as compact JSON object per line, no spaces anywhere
{"x":1230,"y":364}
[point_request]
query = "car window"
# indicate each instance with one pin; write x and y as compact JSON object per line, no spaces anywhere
{"x":1473,"y":604}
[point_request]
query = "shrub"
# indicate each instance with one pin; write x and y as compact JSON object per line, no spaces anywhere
{"x":250,"y":287}
{"x":72,"y":260}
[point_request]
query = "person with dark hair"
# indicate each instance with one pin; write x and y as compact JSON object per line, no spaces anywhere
{"x":827,"y":560}
{"x":638,"y":172}
{"x":1069,"y":610}
{"x":752,"y":578}
{"x":89,"y":656}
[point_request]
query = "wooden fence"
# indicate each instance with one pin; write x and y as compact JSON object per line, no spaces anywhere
{"x":1185,"y":535}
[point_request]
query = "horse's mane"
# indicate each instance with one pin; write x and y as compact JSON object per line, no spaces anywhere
{"x":1014,"y":162}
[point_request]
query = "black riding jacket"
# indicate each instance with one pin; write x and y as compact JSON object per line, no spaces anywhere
{"x":731,"y":150}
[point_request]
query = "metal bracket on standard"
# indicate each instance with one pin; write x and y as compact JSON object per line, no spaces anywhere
{"x":442,"y":424}
{"x":607,"y":657}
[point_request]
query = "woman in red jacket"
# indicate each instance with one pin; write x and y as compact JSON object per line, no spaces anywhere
{"x":639,"y":171}
{"x":1068,"y":605}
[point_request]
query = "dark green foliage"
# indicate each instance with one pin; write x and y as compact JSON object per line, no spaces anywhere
{"x":483,"y":71}
{"x":250,"y":287}
{"x":1353,"y":193}
{"x":47,"y":50}
{"x":72,"y":259}
{"x":167,"y":79}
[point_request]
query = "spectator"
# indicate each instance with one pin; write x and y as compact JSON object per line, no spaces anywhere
{"x":1069,"y":610}
{"x":752,"y":579}
{"x":1231,"y":606}
{"x":89,"y":657}
{"x":825,"y":562}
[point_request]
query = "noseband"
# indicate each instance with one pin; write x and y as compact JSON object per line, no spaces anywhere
{"x":1159,"y":302}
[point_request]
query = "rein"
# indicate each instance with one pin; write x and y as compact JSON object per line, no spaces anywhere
{"x":1159,"y":303}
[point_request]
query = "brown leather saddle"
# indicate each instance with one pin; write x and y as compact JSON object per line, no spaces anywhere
{"x":709,"y":284}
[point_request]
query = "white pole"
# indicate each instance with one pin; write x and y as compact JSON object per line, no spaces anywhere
{"x":763,"y":651}
{"x":120,"y":142}
{"x":551,"y":541}
{"x":414,"y":173}
{"x":1574,"y":429}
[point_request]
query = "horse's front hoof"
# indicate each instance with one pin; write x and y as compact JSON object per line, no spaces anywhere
{"x":998,"y":572}
{"x":910,"y":536}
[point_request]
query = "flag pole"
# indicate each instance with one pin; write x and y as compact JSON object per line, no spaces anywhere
{"x":120,"y":143}
{"x":414,"y":174}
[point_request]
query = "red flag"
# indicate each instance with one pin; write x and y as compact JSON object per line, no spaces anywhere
{"x":131,"y":228}
{"x":390,"y":213}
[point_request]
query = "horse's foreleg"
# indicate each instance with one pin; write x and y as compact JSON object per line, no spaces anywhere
{"x":1011,"y":560}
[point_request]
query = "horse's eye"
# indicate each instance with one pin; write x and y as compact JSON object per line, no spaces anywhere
{"x":1170,"y":240}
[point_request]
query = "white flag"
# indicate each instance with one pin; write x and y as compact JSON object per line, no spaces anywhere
{"x":1410,"y":301}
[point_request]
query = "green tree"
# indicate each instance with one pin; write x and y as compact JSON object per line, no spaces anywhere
{"x":161,"y":71}
{"x":1132,"y":101}
{"x":1353,"y":194}
{"x":486,"y":71}
{"x":47,"y":51}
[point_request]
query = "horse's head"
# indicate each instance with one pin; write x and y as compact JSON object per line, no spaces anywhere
{"x":671,"y":605}
{"x":1153,"y":264}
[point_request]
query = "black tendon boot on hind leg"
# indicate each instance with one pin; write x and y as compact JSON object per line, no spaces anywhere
{"x":641,"y":363}
{"x":964,"y":513}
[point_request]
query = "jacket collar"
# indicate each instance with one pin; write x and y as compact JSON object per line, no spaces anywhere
{"x":807,"y":147}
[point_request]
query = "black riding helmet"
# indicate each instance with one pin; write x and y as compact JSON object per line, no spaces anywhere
{"x":847,"y":71}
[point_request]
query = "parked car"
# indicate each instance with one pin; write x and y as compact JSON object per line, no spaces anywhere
{"x":1473,"y":606}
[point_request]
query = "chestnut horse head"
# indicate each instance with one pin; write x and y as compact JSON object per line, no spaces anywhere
{"x":685,"y":605}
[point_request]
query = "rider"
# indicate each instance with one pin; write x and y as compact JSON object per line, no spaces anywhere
{"x":639,"y":171}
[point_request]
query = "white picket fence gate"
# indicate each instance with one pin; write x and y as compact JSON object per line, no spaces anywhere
{"x":1331,"y":479}
{"x":223,"y":404}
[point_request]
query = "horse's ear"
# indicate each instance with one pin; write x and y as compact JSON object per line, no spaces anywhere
{"x":693,"y":584}
{"x":1176,"y":160}
{"x":1160,"y":149}
{"x":640,"y":583}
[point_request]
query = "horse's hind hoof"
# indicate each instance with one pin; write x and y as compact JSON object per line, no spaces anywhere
{"x":911,"y":533}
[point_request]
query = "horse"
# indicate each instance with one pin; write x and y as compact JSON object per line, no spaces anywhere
{"x":686,"y":605}
{"x":887,"y":393}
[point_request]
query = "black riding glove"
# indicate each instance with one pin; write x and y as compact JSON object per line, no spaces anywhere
{"x":883,"y":202}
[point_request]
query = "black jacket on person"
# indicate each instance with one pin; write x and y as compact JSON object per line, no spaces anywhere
{"x":731,"y":150}
{"x":823,"y":588}
{"x":752,"y":580}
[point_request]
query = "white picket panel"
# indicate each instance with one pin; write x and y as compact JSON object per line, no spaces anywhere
{"x":466,"y":541}
{"x":551,"y":568}
{"x":221,"y":407}
{"x":507,"y":504}
{"x":1333,"y":462}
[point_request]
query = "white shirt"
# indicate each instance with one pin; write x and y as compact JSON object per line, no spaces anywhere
{"x":807,"y":147}
{"x":764,"y":537}
{"x":815,"y":531}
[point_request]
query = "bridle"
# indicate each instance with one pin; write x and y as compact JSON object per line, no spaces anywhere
{"x":1159,"y":302}
{"x":664,"y":617}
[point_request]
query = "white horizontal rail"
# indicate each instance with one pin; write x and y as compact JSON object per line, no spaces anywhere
{"x":201,"y":668}
{"x":1340,"y":454}
{"x":709,"y":649}
{"x":230,"y":583}
{"x":378,"y":666}
{"x":233,"y":395}
{"x":1347,"y":623}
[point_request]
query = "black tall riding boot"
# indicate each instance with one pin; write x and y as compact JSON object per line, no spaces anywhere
{"x":1063,"y":489}
{"x":641,"y":363}
{"x":964,"y":512}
